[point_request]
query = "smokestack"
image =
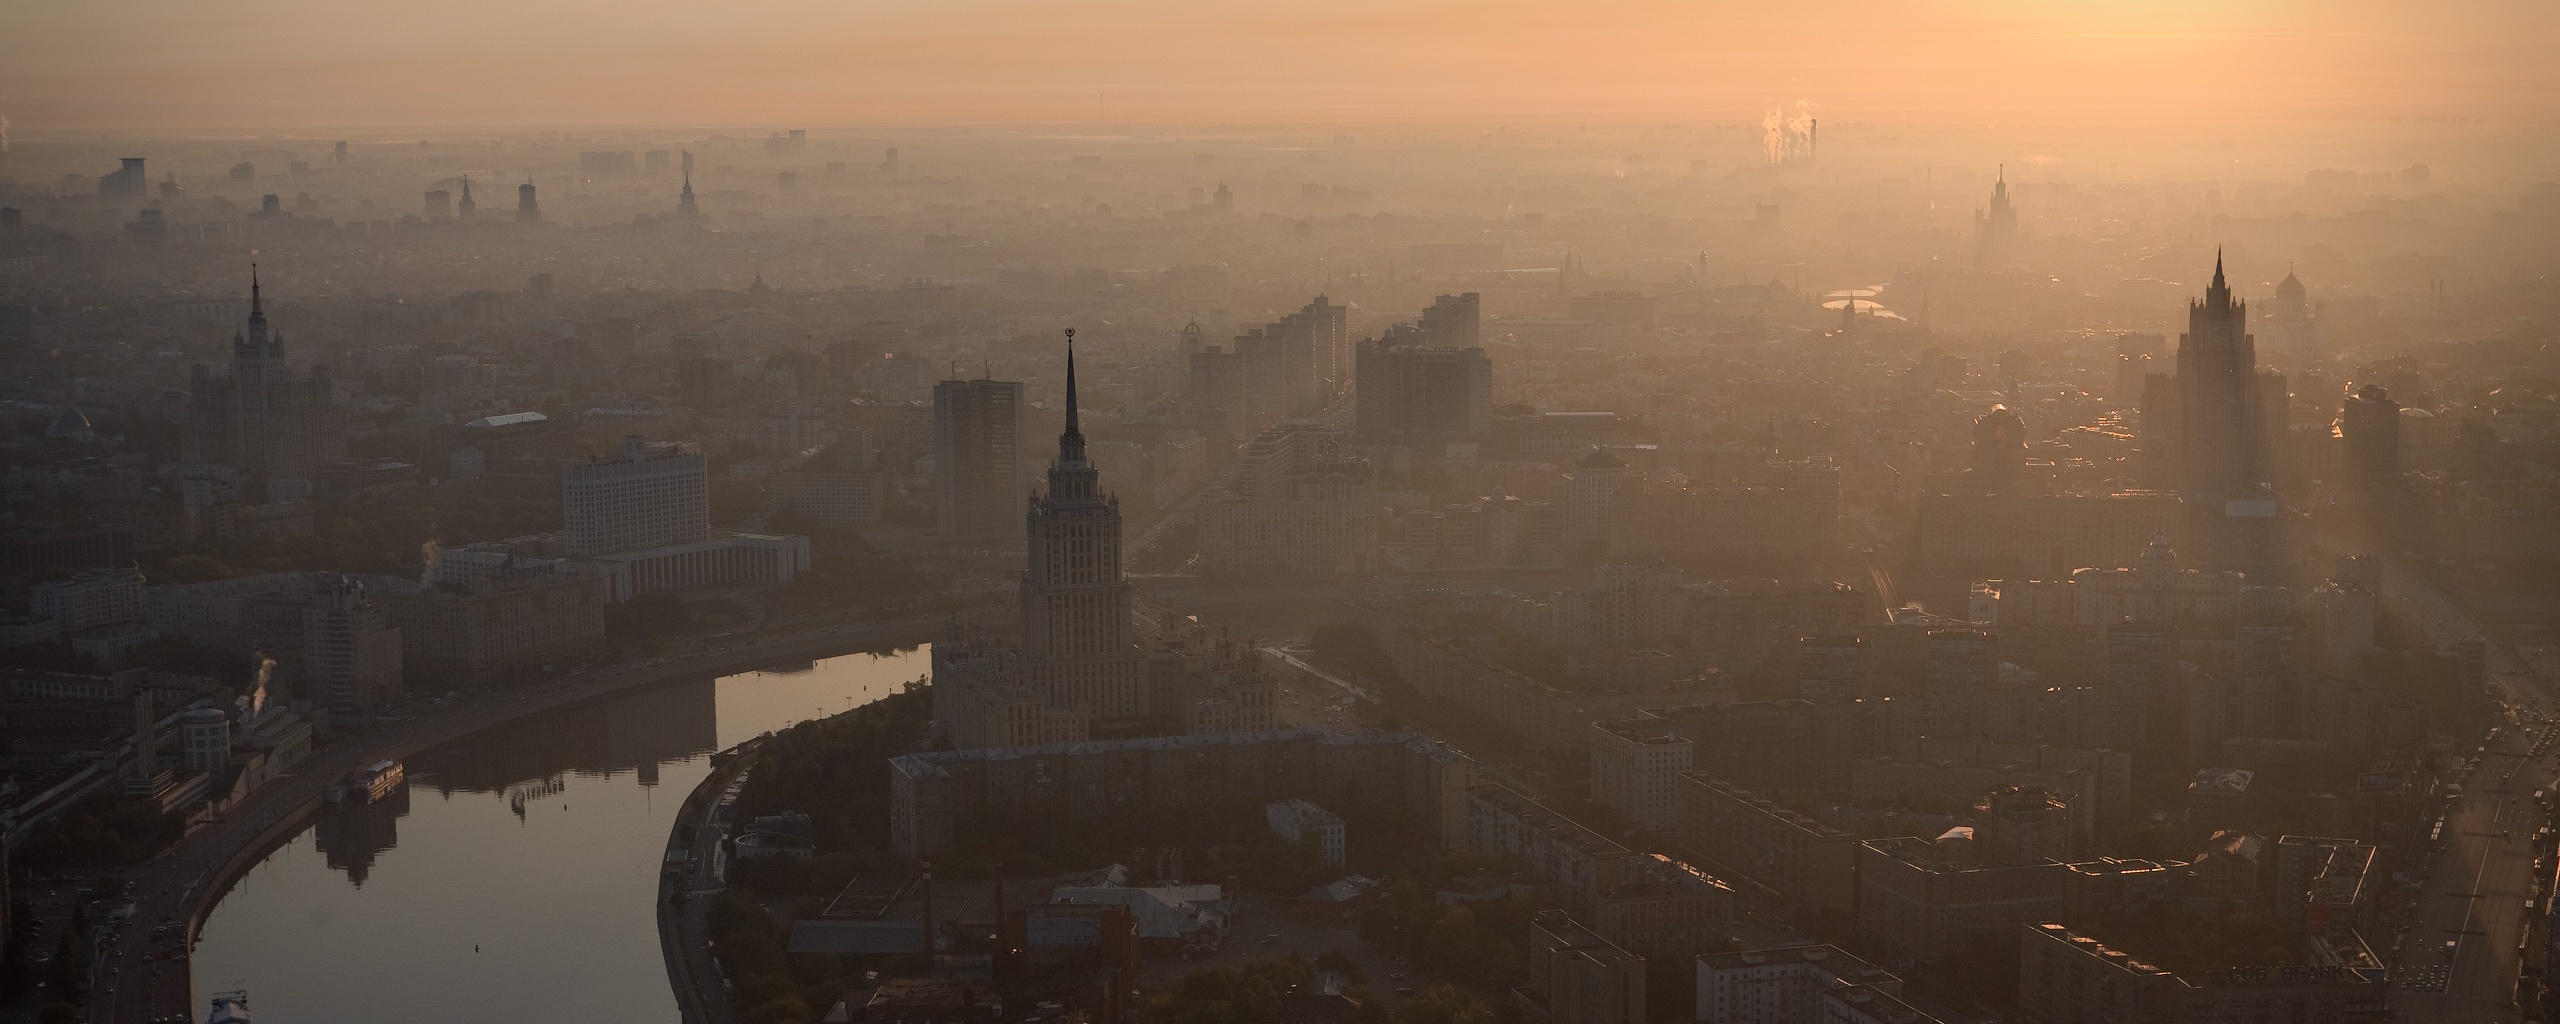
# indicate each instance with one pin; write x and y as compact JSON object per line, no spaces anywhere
{"x":1813,"y":140}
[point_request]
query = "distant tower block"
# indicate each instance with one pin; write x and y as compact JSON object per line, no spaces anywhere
{"x":1995,"y":227}
{"x":527,"y":210}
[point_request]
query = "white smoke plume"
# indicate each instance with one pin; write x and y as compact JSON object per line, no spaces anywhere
{"x":1786,"y":136}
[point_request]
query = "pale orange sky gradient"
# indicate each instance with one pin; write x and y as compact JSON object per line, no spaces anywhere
{"x":334,"y":66}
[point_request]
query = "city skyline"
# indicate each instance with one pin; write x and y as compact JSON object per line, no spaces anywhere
{"x":1844,"y":513}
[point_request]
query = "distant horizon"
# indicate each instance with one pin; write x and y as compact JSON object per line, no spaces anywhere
{"x":257,"y":65}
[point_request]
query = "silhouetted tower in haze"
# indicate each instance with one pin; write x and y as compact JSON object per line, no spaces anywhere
{"x":977,"y":436}
{"x":1995,"y":228}
{"x":260,"y":418}
{"x":1076,"y":605}
{"x":2219,"y":442}
{"x":125,"y":184}
{"x":685,"y":207}
{"x":466,"y":211}
{"x":1999,"y":443}
{"x":2211,"y":427}
{"x":527,"y":211}
{"x":1224,"y":201}
{"x":2369,"y":427}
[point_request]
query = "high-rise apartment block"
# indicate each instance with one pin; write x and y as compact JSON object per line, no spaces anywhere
{"x":1635,"y":770}
{"x":2369,"y":426}
{"x":351,"y":655}
{"x":1412,"y":395}
{"x":977,"y":451}
{"x":1290,"y":368}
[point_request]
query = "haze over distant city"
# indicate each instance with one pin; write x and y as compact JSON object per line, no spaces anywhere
{"x":1400,"y":512}
{"x":297,"y":66}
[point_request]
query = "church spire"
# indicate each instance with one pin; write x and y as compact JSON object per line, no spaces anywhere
{"x":256,"y":308}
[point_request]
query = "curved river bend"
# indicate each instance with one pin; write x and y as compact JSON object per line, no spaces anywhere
{"x":514,"y":879}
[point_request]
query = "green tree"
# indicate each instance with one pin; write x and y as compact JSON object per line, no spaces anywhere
{"x":1442,"y":1004}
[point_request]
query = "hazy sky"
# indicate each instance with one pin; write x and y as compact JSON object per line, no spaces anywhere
{"x":70,"y":66}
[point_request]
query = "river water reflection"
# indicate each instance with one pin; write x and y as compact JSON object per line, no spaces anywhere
{"x":537,"y":842}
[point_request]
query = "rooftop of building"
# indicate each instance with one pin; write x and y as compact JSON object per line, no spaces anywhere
{"x":2117,"y":958}
{"x":1304,"y":811}
{"x":2290,"y":976}
{"x":1766,"y":806}
{"x":1535,"y":815}
{"x":1559,"y":931}
{"x":1839,"y":963}
{"x":2121,"y":866}
{"x":1925,"y":855}
{"x":1647,"y":731}
{"x":507,"y":420}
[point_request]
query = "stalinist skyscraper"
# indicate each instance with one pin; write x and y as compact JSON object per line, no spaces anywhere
{"x":2219,"y":420}
{"x":2213,"y":426}
{"x":261,"y":419}
{"x":1077,"y":669}
{"x":1077,"y":647}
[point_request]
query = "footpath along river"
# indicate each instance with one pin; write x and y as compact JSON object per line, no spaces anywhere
{"x":513,"y":879}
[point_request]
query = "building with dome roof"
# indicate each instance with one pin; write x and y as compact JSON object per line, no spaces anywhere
{"x":2291,"y":322}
